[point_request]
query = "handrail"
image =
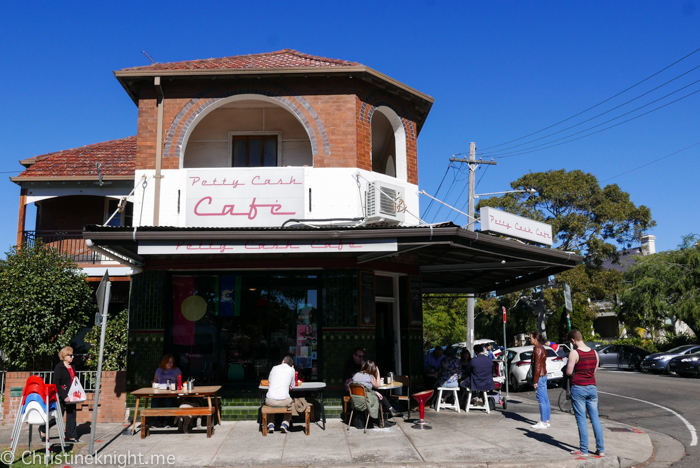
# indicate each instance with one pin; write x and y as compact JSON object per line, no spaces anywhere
{"x":68,"y":242}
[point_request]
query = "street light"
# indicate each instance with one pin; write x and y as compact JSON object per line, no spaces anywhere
{"x":530,"y":190}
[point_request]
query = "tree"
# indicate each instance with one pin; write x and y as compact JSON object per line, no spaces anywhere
{"x":444,"y":319}
{"x":44,"y":302}
{"x":116,"y":343}
{"x":584,"y":217}
{"x":664,"y":286}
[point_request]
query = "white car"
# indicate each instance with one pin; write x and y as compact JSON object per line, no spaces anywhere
{"x":519,"y":360}
{"x":494,"y":347}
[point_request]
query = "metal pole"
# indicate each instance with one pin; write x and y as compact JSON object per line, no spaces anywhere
{"x":105,"y":310}
{"x":505,"y":350}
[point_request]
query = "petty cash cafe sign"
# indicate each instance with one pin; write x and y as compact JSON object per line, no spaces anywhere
{"x":260,"y":197}
{"x":266,"y":246}
{"x":500,"y":222}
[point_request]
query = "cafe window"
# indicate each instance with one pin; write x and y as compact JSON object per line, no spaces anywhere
{"x":254,"y":150}
{"x":232,"y":329}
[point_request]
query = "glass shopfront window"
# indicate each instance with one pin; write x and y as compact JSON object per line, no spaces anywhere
{"x":233,"y":328}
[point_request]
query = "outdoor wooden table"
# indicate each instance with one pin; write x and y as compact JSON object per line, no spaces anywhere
{"x":149,"y":392}
{"x":316,"y":387}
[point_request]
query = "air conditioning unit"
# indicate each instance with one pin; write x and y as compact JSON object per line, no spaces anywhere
{"x":384,"y":203}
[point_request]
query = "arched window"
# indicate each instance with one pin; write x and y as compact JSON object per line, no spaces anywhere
{"x":388,"y":144}
{"x":247,"y":131}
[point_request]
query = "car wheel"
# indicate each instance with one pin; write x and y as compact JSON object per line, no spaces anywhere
{"x":514,"y":385}
{"x":669,"y":372}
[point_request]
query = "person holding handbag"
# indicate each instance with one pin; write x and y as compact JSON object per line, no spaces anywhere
{"x":539,"y":379}
{"x":63,"y":375}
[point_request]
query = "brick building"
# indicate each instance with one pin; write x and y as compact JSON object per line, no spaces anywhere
{"x":270,"y":207}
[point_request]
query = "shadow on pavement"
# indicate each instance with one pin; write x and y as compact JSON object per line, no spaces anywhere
{"x":547,"y":439}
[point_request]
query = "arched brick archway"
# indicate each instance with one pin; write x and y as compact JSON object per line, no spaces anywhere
{"x":197,"y":108}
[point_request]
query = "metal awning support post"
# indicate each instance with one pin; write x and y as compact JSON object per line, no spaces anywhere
{"x":103,"y":296}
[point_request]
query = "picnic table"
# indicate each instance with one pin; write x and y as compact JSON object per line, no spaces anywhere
{"x":204,"y":392}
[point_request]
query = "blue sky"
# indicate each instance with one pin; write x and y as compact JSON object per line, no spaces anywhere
{"x":498,"y":70}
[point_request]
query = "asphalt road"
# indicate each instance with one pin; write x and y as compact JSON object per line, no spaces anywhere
{"x":632,"y":398}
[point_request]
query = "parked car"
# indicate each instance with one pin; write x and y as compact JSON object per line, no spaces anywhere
{"x":495,"y":349}
{"x":622,"y":356}
{"x":563,"y":350}
{"x":686,"y":365}
{"x":658,"y":362}
{"x":519,"y":363}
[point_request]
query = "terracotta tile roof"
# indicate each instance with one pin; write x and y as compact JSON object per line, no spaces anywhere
{"x":117,"y":158}
{"x":286,"y":58}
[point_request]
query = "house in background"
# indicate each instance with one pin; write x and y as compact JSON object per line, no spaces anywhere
{"x":607,"y":324}
{"x":270,"y":206}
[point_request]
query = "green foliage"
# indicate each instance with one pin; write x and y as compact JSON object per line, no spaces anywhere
{"x":44,"y":302}
{"x":644,"y":343}
{"x":663,"y":286}
{"x":444,"y":319}
{"x":673,"y":340}
{"x":116,"y":341}
{"x":584,"y":217}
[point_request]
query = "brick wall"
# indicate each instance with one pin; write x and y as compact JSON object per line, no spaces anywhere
{"x":112,"y":403}
{"x":336,"y":112}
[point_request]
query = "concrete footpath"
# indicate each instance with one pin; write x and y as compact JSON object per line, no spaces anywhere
{"x":500,"y":439}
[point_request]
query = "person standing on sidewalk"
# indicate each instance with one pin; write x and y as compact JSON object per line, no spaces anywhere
{"x":583,"y":364}
{"x":539,"y":377}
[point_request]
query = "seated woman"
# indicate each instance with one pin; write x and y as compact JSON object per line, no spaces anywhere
{"x":369,"y":377}
{"x":166,"y":373}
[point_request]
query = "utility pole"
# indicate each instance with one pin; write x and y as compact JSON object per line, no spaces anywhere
{"x":473,"y":163}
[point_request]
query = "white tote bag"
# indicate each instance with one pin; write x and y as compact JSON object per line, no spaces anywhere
{"x":76,"y":394}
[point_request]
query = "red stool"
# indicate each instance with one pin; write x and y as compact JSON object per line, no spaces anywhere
{"x":421,"y":398}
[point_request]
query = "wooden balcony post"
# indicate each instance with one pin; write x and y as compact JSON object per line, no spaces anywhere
{"x":22,"y":215}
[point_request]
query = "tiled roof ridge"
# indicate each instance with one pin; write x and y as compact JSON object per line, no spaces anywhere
{"x":40,"y":157}
{"x":323,"y":61}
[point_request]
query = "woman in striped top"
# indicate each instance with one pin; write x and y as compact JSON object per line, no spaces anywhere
{"x":583,"y":364}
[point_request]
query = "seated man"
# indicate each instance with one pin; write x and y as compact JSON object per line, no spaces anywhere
{"x":353,"y":365}
{"x":480,"y":372}
{"x":431,"y":363}
{"x":281,"y":380}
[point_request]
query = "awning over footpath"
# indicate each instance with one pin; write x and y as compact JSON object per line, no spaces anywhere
{"x":449,"y":259}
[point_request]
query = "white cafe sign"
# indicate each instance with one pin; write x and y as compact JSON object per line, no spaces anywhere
{"x":261,"y":197}
{"x":190,"y":247}
{"x":497,"y":221}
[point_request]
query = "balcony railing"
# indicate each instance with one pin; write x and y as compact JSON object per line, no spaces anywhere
{"x":68,"y":243}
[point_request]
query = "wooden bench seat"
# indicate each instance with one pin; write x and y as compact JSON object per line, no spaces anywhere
{"x":175,"y":412}
{"x":283,"y":410}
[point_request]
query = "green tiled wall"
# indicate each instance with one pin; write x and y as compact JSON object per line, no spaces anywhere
{"x":149,"y":296}
{"x":144,"y":353}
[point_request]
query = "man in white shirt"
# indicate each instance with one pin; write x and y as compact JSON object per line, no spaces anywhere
{"x":281,"y":380}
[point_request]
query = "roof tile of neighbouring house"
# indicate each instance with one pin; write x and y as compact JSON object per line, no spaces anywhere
{"x":286,"y":58}
{"x":116,"y":158}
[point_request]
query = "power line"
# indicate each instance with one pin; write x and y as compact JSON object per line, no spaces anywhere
{"x":447,"y":195}
{"x":601,"y":114}
{"x":600,"y":103}
{"x":437,"y":192}
{"x":652,"y":162}
{"x":505,"y":155}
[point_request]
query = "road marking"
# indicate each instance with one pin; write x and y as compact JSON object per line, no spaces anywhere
{"x":691,"y":428}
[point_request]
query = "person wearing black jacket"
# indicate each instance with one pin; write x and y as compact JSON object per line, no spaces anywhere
{"x":63,"y":375}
